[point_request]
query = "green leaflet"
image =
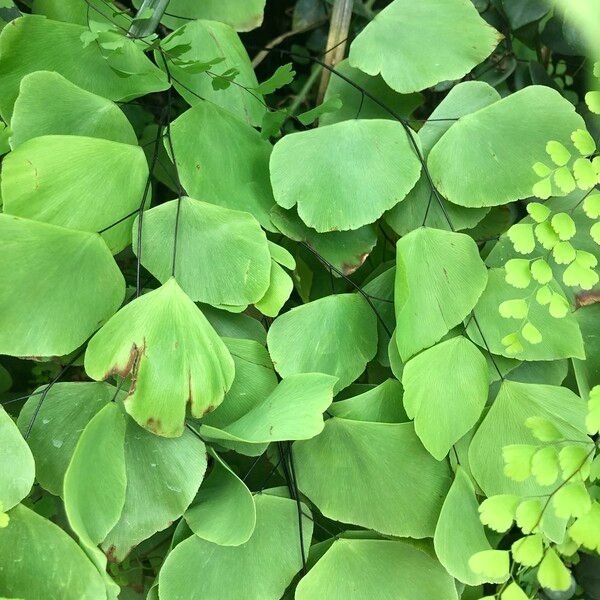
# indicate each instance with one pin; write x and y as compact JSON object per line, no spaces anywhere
{"x":73,"y":11}
{"x":163,"y":476}
{"x":382,"y":404}
{"x":49,"y":179}
{"x":454,"y":545}
{"x":204,"y":41}
{"x":34,"y":43}
{"x":421,"y":206}
{"x":242,"y":15}
{"x":236,"y":177}
{"x":496,"y":140}
{"x":354,"y":106}
{"x":445,"y":390}
{"x":439,"y":278}
{"x":378,"y":489}
{"x":504,"y":424}
{"x":260,"y":569}
{"x":347,"y":162}
{"x":48,"y":273}
{"x":574,"y":205}
{"x":40,"y":560}
{"x":222,"y":255}
{"x":403,"y":41}
{"x":164,"y":341}
{"x":522,"y":13}
{"x":355,"y":568}
{"x":95,"y":481}
{"x":63,"y":415}
{"x":561,"y":338}
{"x":345,"y":250}
{"x":223,"y":512}
{"x":235,"y":325}
{"x":17,"y":468}
{"x":292,"y":411}
{"x":463,"y":99}
{"x":278,"y":292}
{"x":49,"y":104}
{"x":334,"y":335}
{"x":94,"y":485}
{"x":254,"y":380}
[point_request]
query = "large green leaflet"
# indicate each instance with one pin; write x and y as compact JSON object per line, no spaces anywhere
{"x":34,"y":43}
{"x":163,"y":476}
{"x":204,"y":41}
{"x":222,"y":255}
{"x":231,"y":325}
{"x":149,"y":464}
{"x":95,"y":483}
{"x":504,"y":424}
{"x":445,"y":390}
{"x":344,"y":250}
{"x":49,"y":104}
{"x":330,"y":171}
{"x":48,"y":179}
{"x":47,"y":272}
{"x":439,"y":278}
{"x":292,"y":411}
{"x":17,"y":468}
{"x":61,"y":418}
{"x":223,"y":511}
{"x":173,"y":354}
{"x":278,"y":292}
{"x":75,"y":11}
{"x":572,"y":205}
{"x":260,"y":569}
{"x":463,"y":99}
{"x":378,"y":489}
{"x":40,"y":560}
{"x":382,"y":404}
{"x":587,"y":372}
{"x":355,"y":568}
{"x":561,"y":338}
{"x":496,"y":140}
{"x":454,"y":546}
{"x":254,"y":380}
{"x":403,"y":43}
{"x":335,"y":335}
{"x":423,"y":207}
{"x":237,"y":177}
{"x":242,"y":15}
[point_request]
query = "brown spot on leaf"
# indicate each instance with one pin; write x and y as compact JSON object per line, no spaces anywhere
{"x":154,"y":425}
{"x":348,"y":269}
{"x":132,"y":366}
{"x":587,"y":298}
{"x":111,"y":554}
{"x":209,"y":409}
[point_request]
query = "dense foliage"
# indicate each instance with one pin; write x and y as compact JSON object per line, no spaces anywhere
{"x":296,"y":327}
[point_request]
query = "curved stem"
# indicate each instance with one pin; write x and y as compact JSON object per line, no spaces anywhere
{"x":141,"y":27}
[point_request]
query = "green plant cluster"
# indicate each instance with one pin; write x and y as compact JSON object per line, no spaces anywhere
{"x":258,"y":344}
